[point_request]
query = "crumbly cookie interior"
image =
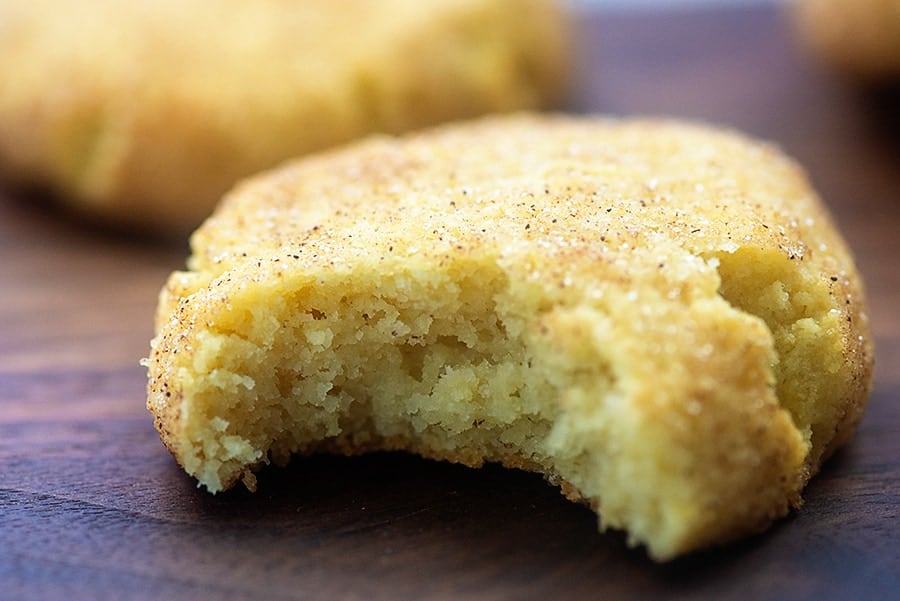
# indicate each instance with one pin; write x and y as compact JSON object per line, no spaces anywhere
{"x":455,"y":365}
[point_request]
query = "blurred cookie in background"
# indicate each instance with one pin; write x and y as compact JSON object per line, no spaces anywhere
{"x":144,"y":113}
{"x":860,"y":38}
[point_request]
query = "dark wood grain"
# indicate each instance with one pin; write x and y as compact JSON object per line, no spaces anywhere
{"x":93,"y":507}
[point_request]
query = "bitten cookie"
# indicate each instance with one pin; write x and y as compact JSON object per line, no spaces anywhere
{"x":145,"y":112}
{"x":862,"y":38}
{"x":659,"y":317}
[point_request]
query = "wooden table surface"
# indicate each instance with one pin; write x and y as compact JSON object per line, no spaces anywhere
{"x":93,"y":507}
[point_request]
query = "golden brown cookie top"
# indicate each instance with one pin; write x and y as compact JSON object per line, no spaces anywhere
{"x":574,"y":191}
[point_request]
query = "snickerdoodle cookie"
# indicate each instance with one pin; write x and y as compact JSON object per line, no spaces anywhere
{"x":659,"y":317}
